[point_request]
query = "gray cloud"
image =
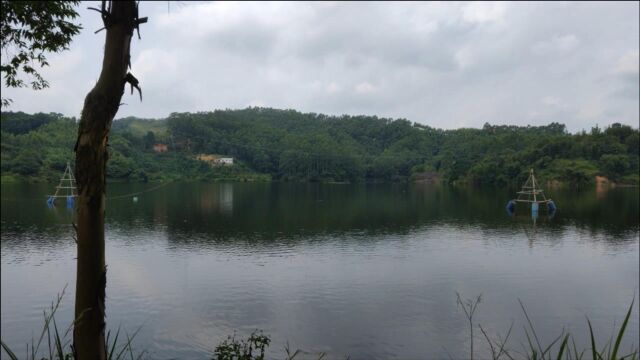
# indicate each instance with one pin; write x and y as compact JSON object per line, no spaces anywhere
{"x":442,"y":64}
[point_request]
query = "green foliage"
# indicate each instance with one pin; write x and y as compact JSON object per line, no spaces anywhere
{"x":578,"y":172}
{"x":119,"y":166}
{"x":149,"y":140}
{"x":292,"y":146}
{"x":27,"y":162}
{"x":615,"y":165}
{"x":251,"y":349}
{"x":21,"y":123}
{"x":29,"y":29}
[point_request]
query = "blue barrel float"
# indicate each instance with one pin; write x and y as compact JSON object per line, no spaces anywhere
{"x":69,"y":202}
{"x":50,"y":201}
{"x":511,"y":205}
{"x":551,"y":206}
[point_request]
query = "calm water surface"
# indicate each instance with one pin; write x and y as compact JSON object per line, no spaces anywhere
{"x":369,"y":271}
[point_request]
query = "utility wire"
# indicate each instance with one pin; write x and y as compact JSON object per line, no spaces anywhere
{"x":107,"y":198}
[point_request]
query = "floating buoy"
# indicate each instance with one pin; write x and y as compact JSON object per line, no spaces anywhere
{"x":135,"y":199}
{"x":50,"y":201}
{"x":551,"y":206}
{"x":511,"y":205}
{"x":534,"y":207}
{"x":69,"y":201}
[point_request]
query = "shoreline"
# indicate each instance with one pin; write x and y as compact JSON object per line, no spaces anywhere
{"x":264,"y":178}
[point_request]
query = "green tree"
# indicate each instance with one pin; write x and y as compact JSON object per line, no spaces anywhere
{"x":290,"y":145}
{"x":28,"y":31}
{"x":578,"y":172}
{"x":149,"y":140}
{"x":614,"y":165}
{"x":119,"y":166}
{"x":27,"y":163}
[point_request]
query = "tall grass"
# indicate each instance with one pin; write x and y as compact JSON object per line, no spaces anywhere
{"x":469,"y":307}
{"x":561,"y":347}
{"x":59,"y":343}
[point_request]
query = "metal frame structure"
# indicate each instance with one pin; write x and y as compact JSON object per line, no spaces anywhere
{"x":531,"y":194}
{"x":530,"y":191}
{"x":66,"y":188}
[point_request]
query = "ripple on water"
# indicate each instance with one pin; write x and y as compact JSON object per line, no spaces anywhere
{"x":368,"y":281}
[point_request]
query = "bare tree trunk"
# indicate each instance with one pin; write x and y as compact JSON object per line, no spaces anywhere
{"x":100,"y":107}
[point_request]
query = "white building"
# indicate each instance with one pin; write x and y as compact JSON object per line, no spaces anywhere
{"x":225,"y":161}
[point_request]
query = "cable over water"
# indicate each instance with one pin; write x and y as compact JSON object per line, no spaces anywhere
{"x":139,"y":192}
{"x":23,"y":199}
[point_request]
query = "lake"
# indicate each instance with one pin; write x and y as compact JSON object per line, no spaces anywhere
{"x":366,"y":270}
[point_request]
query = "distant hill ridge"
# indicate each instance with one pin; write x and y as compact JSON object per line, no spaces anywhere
{"x":292,"y":146}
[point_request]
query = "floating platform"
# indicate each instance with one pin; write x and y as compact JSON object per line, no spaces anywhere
{"x":532,"y":194}
{"x":65,"y":189}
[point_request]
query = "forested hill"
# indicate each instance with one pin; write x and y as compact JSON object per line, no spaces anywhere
{"x":289,"y":145}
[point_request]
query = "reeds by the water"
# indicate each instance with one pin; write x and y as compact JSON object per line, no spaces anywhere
{"x":561,"y":347}
{"x":255,"y":346}
{"x":59,"y":345}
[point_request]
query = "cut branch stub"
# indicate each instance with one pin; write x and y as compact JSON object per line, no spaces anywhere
{"x":105,"y":14}
{"x":138,"y":22}
{"x":129,"y":78}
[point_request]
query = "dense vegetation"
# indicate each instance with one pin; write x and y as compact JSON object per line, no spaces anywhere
{"x":289,"y":145}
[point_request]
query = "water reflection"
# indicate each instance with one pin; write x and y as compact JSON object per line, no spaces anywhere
{"x":369,"y":270}
{"x":264,"y":212}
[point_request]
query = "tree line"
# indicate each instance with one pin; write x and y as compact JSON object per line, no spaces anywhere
{"x":288,"y":145}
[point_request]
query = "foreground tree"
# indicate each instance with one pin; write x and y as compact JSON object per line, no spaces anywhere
{"x":100,"y":107}
{"x":28,"y":30}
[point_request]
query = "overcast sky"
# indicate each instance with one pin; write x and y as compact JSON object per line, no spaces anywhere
{"x":447,"y":65}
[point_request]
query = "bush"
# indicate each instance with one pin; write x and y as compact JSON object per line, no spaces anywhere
{"x":614,"y":166}
{"x":578,"y":172}
{"x":251,"y":349}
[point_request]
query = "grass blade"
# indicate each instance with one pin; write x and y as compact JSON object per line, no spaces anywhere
{"x":140,"y":355}
{"x":630,"y":356}
{"x":534,"y":352}
{"x":106,"y":344}
{"x":113,"y":346}
{"x":12,"y":356}
{"x":129,"y":345}
{"x":562,"y":347}
{"x":577,"y":355}
{"x":594,"y":351}
{"x":504,"y":342}
{"x":491,"y":347}
{"x":49,"y":340}
{"x":614,"y":352}
{"x":551,"y":345}
{"x":533,"y":330}
{"x":59,"y":347}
